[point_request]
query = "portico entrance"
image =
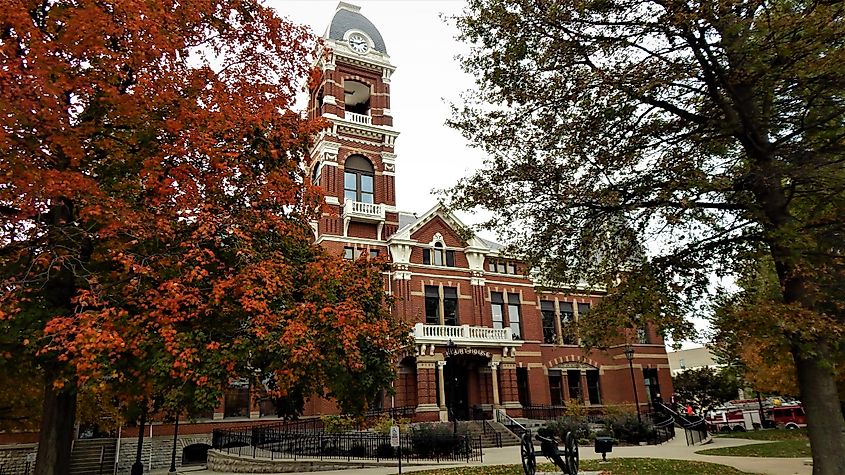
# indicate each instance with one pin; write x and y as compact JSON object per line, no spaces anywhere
{"x":466,"y":382}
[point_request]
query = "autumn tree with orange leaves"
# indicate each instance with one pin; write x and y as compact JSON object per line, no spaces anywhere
{"x":155,"y":215}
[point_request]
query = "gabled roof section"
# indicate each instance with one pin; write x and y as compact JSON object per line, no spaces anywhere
{"x":410,"y":227}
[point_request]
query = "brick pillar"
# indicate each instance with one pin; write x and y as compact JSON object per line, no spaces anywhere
{"x":427,"y":391}
{"x":510,"y":397}
{"x":219,"y":410}
{"x":479,"y":306}
{"x":538,"y":381}
{"x":584,"y":392}
{"x":254,"y":409}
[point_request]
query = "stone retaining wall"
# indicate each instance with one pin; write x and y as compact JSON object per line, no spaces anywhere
{"x":225,"y":463}
{"x":161,"y":448}
{"x":13,"y":458}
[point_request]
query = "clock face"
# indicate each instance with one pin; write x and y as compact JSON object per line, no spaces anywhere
{"x":358,"y":43}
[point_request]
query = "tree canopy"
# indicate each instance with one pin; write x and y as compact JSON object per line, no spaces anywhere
{"x":705,"y":388}
{"x":155,"y":234}
{"x":709,"y":133}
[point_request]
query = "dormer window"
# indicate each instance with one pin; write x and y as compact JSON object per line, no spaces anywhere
{"x":502,"y":267}
{"x":439,"y":256}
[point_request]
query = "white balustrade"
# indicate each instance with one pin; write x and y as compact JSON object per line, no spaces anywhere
{"x":358,"y":118}
{"x":363,"y":211}
{"x":462,"y":334}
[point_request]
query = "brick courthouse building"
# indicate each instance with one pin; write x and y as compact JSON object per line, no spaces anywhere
{"x":486,"y":335}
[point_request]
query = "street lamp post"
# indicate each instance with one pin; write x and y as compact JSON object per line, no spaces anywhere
{"x":450,"y":348}
{"x":629,"y":354}
{"x":138,"y":466}
{"x":173,"y":451}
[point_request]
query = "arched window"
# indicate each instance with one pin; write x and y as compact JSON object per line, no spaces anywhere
{"x":358,"y":179}
{"x":438,"y":253}
{"x":315,"y":175}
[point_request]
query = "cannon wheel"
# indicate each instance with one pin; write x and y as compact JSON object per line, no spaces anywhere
{"x":526,"y":449}
{"x":571,"y":454}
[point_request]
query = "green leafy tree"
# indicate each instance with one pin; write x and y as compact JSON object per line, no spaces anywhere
{"x":705,"y":388}
{"x":709,"y":131}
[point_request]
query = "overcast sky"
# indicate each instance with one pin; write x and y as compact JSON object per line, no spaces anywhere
{"x":422,"y":47}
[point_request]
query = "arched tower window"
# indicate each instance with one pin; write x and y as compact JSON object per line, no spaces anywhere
{"x":315,"y":175}
{"x":358,"y":179}
{"x":356,"y":97}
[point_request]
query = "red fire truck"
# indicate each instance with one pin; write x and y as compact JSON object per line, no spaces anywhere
{"x":743,"y":415}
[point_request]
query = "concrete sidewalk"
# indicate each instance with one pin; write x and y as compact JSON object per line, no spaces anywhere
{"x":674,"y":449}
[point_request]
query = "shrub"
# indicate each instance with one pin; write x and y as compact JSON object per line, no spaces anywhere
{"x":577,"y":425}
{"x":385,"y":451}
{"x":627,"y":427}
{"x":337,"y":424}
{"x":430,"y":440}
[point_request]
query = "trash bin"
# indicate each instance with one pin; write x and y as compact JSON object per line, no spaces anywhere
{"x":603,"y":446}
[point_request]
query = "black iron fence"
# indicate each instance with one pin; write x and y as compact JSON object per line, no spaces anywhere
{"x":16,"y":466}
{"x":695,"y":431}
{"x":543,"y":413}
{"x":664,"y":430}
{"x":352,"y":446}
{"x":393,"y":412}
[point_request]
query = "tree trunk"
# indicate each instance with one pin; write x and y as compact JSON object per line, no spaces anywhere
{"x":820,"y":397}
{"x":56,"y":438}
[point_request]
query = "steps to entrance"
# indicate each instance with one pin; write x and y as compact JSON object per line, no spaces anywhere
{"x":86,"y":457}
{"x":476,"y":428}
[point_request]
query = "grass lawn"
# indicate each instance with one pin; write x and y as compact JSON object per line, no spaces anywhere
{"x":780,"y":448}
{"x":768,"y":434}
{"x":632,"y":466}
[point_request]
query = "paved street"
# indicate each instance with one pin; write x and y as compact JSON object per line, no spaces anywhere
{"x":675,"y":449}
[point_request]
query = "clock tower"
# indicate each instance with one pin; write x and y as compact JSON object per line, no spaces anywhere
{"x":353,"y":160}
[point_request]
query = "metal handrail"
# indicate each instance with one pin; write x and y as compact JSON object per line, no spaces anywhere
{"x":485,"y":426}
{"x":506,"y":420}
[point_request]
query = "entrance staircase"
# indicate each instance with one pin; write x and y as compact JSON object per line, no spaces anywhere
{"x":491,"y":433}
{"x":93,"y":457}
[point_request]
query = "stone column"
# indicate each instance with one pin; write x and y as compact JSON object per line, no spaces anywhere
{"x":254,"y":408}
{"x":494,"y":373}
{"x":440,"y":379}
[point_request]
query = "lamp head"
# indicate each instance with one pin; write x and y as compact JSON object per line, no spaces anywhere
{"x":629,"y":352}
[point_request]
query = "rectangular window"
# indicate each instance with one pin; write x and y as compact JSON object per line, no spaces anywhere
{"x":367,"y":193}
{"x":556,"y":388}
{"x":652,"y":384}
{"x":511,"y":268}
{"x":373,"y":253}
{"x":547,"y":308}
{"x":349,"y":253}
{"x":350,"y":186}
{"x":450,"y":258}
{"x":236,"y":400}
{"x":500,"y":267}
{"x":427,"y":256}
{"x":567,"y":324}
{"x":573,"y":378}
{"x":593,"y":387}
{"x":583,"y":309}
{"x":438,"y":255}
{"x":513,"y":316}
{"x":491,"y":266}
{"x":450,"y":305}
{"x":498,"y":305}
{"x":432,"y":305}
